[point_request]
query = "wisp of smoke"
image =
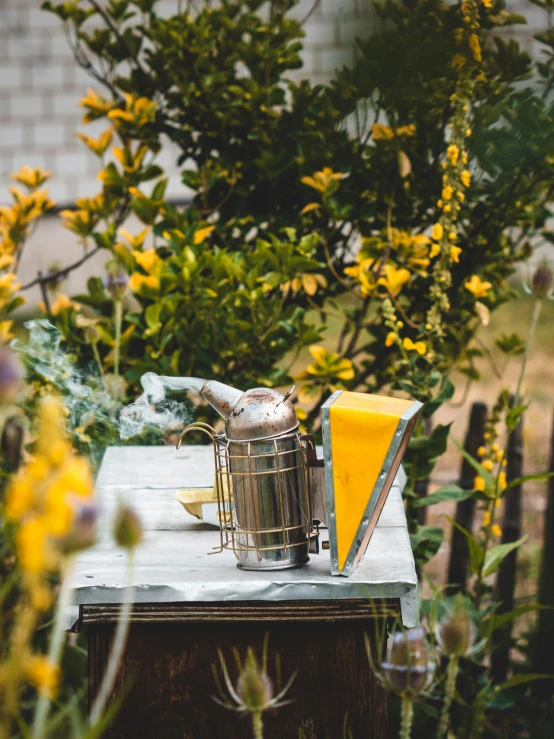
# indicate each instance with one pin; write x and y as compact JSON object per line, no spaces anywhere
{"x":96,"y":418}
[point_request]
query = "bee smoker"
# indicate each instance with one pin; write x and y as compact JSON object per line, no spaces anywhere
{"x":261,"y":477}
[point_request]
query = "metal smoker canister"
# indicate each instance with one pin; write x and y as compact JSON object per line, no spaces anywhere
{"x":262,"y":457}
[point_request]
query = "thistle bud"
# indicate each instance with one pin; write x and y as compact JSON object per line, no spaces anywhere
{"x":408,"y":669}
{"x":116,"y":283}
{"x":254,"y":687}
{"x":127,"y":528}
{"x":455,"y":632}
{"x":83,"y":531}
{"x":92,"y":334}
{"x":542,"y":281}
{"x":10,"y":376}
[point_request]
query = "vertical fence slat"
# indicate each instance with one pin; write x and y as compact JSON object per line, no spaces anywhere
{"x":544,"y":645}
{"x":422,"y":486}
{"x":465,"y":509}
{"x":507,"y":574}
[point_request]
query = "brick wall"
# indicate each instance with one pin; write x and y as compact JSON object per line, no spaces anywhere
{"x":40,"y":85}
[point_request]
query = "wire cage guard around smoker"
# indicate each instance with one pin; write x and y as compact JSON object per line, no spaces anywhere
{"x":263,"y":499}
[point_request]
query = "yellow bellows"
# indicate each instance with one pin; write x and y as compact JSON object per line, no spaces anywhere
{"x":365,"y":437}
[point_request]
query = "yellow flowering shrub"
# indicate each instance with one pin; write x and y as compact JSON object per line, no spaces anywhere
{"x":49,"y":504}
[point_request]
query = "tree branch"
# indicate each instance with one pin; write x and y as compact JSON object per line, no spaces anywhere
{"x":60,"y":274}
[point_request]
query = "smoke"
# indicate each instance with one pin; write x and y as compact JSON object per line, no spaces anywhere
{"x":96,"y":419}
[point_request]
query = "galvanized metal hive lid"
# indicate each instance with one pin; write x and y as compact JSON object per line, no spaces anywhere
{"x":261,"y":413}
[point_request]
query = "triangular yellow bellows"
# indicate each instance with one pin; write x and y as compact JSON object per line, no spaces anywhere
{"x":362,"y":430}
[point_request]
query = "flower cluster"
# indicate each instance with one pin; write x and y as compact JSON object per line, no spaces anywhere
{"x":456,"y":176}
{"x":16,"y":224}
{"x":50,"y":505}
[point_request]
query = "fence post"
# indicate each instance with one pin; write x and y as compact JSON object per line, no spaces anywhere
{"x":511,"y":531}
{"x":544,"y":644}
{"x":422,"y":486}
{"x":465,"y":509}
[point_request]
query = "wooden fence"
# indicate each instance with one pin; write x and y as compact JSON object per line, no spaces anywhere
{"x":511,"y":531}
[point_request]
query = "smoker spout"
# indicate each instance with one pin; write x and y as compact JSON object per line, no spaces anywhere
{"x":221,"y":397}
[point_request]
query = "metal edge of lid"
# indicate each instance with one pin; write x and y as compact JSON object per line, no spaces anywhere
{"x":287,"y":432}
{"x":329,"y":482}
{"x":375,"y":494}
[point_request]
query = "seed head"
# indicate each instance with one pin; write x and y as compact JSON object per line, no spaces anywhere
{"x":455,"y":632}
{"x":408,"y":669}
{"x":127,"y":528}
{"x":10,"y":376}
{"x":542,"y":281}
{"x":254,"y":687}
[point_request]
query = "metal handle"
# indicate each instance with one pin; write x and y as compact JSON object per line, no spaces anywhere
{"x":198,"y":426}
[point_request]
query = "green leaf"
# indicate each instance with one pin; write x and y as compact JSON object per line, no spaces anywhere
{"x":525,"y":678}
{"x":498,"y":620}
{"x":495,"y":556}
{"x":448,"y":492}
{"x":433,"y":445}
{"x":490,"y":481}
{"x":445,"y":393}
{"x":475,"y":549}
{"x":526,"y":478}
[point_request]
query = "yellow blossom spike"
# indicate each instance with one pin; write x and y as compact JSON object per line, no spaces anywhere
{"x":478,"y":287}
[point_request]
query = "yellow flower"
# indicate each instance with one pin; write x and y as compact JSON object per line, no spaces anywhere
{"x":453,"y":153}
{"x":475,"y":47}
{"x":481,"y":451}
{"x":468,"y":132}
{"x":447,"y":193}
{"x":99,"y":145}
{"x":19,"y":497}
{"x":62,"y":303}
{"x":323,"y":179}
{"x":390,"y":339}
{"x":202,"y":234}
{"x":148,"y":259}
{"x":380,"y":132}
{"x":393,"y":278}
{"x":455,"y":252}
{"x":487,"y":3}
{"x":418,"y":346}
{"x":138,"y":281}
{"x":31,"y":177}
{"x":478,"y":287}
{"x":496,"y":530}
{"x":435,"y":249}
{"x":479,"y":484}
{"x":458,"y":61}
{"x":31,"y":540}
{"x":465,"y":177}
{"x":43,"y":674}
{"x":486,"y":519}
{"x":97,"y":106}
{"x":502,"y":482}
{"x":487,"y":464}
{"x":438,"y":232}
{"x":135,"y":241}
{"x":329,"y":364}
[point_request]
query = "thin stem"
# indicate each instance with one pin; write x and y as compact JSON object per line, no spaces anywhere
{"x":119,"y":642}
{"x":258,"y":725}
{"x":530,"y":333}
{"x":57,"y":640}
{"x":407,"y":717}
{"x":451,"y":675}
{"x":97,"y":358}
{"x":118,"y":317}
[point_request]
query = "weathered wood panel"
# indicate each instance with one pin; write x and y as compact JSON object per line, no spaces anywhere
{"x":169,"y":670}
